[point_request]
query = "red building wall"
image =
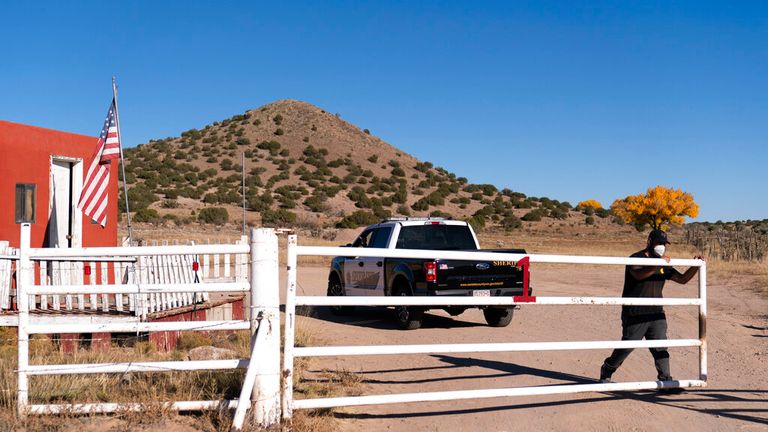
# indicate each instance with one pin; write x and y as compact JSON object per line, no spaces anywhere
{"x":25,"y":157}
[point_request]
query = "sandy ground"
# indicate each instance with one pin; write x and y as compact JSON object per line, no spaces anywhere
{"x":736,"y":398}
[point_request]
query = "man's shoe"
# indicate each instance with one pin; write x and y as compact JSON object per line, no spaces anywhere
{"x":605,"y":374}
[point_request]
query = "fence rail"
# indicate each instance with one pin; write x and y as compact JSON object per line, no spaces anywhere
{"x":293,"y":300}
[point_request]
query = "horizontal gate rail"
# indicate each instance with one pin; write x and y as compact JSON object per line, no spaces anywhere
{"x":328,"y":351}
{"x":292,"y":300}
{"x":490,"y":301}
{"x":491,"y":393}
{"x":488,"y":256}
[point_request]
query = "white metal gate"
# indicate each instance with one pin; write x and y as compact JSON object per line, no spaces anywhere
{"x":292,"y":300}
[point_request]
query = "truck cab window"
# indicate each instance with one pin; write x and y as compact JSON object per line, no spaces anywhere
{"x":364,"y":240}
{"x":381,"y":237}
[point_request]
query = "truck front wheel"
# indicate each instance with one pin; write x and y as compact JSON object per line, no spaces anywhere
{"x":498,"y":317}
{"x":335,"y":289}
{"x":408,"y":317}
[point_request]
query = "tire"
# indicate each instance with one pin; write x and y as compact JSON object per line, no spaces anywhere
{"x":498,"y":317}
{"x":335,"y":289}
{"x":407,"y":317}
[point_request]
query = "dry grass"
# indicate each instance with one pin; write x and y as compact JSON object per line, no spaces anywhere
{"x":152,"y":390}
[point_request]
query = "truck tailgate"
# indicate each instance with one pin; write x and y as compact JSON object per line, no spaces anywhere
{"x":482,"y":275}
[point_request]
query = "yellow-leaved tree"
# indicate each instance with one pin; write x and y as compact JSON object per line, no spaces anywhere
{"x":657,"y":207}
{"x":589,"y":203}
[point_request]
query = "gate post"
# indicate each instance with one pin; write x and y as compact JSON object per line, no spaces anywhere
{"x":265,"y":313}
{"x":24,"y":278}
{"x":703,"y":322}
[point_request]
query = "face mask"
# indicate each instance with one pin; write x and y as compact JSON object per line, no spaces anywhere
{"x":659,"y":250}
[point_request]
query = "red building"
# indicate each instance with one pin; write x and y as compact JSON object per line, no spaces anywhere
{"x":41,"y":177}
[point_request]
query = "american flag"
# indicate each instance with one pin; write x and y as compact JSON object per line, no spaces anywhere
{"x":94,"y":198}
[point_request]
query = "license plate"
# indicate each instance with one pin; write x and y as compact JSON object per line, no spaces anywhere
{"x":481,"y":293}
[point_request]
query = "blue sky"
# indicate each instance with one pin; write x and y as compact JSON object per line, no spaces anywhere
{"x":560,"y":99}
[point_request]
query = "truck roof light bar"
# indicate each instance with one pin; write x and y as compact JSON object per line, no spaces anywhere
{"x":403,"y":219}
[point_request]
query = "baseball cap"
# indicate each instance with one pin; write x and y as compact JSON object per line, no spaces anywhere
{"x":658,"y":236}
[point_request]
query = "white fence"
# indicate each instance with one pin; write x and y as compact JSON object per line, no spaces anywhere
{"x":72,"y":270}
{"x":292,"y":300}
{"x":264,"y":314}
{"x":263,"y":377}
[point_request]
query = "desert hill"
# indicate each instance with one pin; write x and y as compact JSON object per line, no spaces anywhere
{"x":306,"y":166}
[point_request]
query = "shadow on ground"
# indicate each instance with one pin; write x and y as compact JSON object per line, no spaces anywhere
{"x":696,"y":400}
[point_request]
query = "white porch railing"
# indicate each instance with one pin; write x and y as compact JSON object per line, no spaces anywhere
{"x":56,"y":269}
{"x":262,"y":377}
{"x":292,"y":300}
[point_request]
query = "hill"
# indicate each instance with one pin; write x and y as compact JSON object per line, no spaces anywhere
{"x":305,"y":166}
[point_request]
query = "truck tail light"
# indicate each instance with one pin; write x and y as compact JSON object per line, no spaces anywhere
{"x":430,"y":271}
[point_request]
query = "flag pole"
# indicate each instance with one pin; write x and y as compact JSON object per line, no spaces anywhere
{"x":122,"y":161}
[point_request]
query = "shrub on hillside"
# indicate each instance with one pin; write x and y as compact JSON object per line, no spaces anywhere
{"x":316,"y":203}
{"x":213,"y":215}
{"x":170,"y":204}
{"x":280,"y":217}
{"x":357,"y":219}
{"x":533,"y":215}
{"x":279,"y":132}
{"x":146,"y":215}
{"x":603,"y":213}
{"x":423,"y":166}
{"x":440,"y":214}
{"x":477,"y":222}
{"x":558,"y":213}
{"x":260,"y":203}
{"x":271,"y":146}
{"x":226,"y":164}
{"x":511,"y":222}
{"x":398,"y":172}
{"x":140,"y":197}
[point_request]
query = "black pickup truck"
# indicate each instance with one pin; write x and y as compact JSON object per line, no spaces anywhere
{"x":377,"y":276}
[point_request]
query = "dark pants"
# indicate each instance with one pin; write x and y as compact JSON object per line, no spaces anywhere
{"x":637,"y":328}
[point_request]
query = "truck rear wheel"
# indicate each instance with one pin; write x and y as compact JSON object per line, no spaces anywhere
{"x":408,"y":317}
{"x":498,"y":317}
{"x":335,"y":289}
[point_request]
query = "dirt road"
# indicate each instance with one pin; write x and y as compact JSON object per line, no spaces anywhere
{"x":736,"y":398}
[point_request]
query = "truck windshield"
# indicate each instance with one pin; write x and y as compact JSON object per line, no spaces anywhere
{"x":436,"y":237}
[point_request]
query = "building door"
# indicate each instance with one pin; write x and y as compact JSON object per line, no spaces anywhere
{"x":61,"y":222}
